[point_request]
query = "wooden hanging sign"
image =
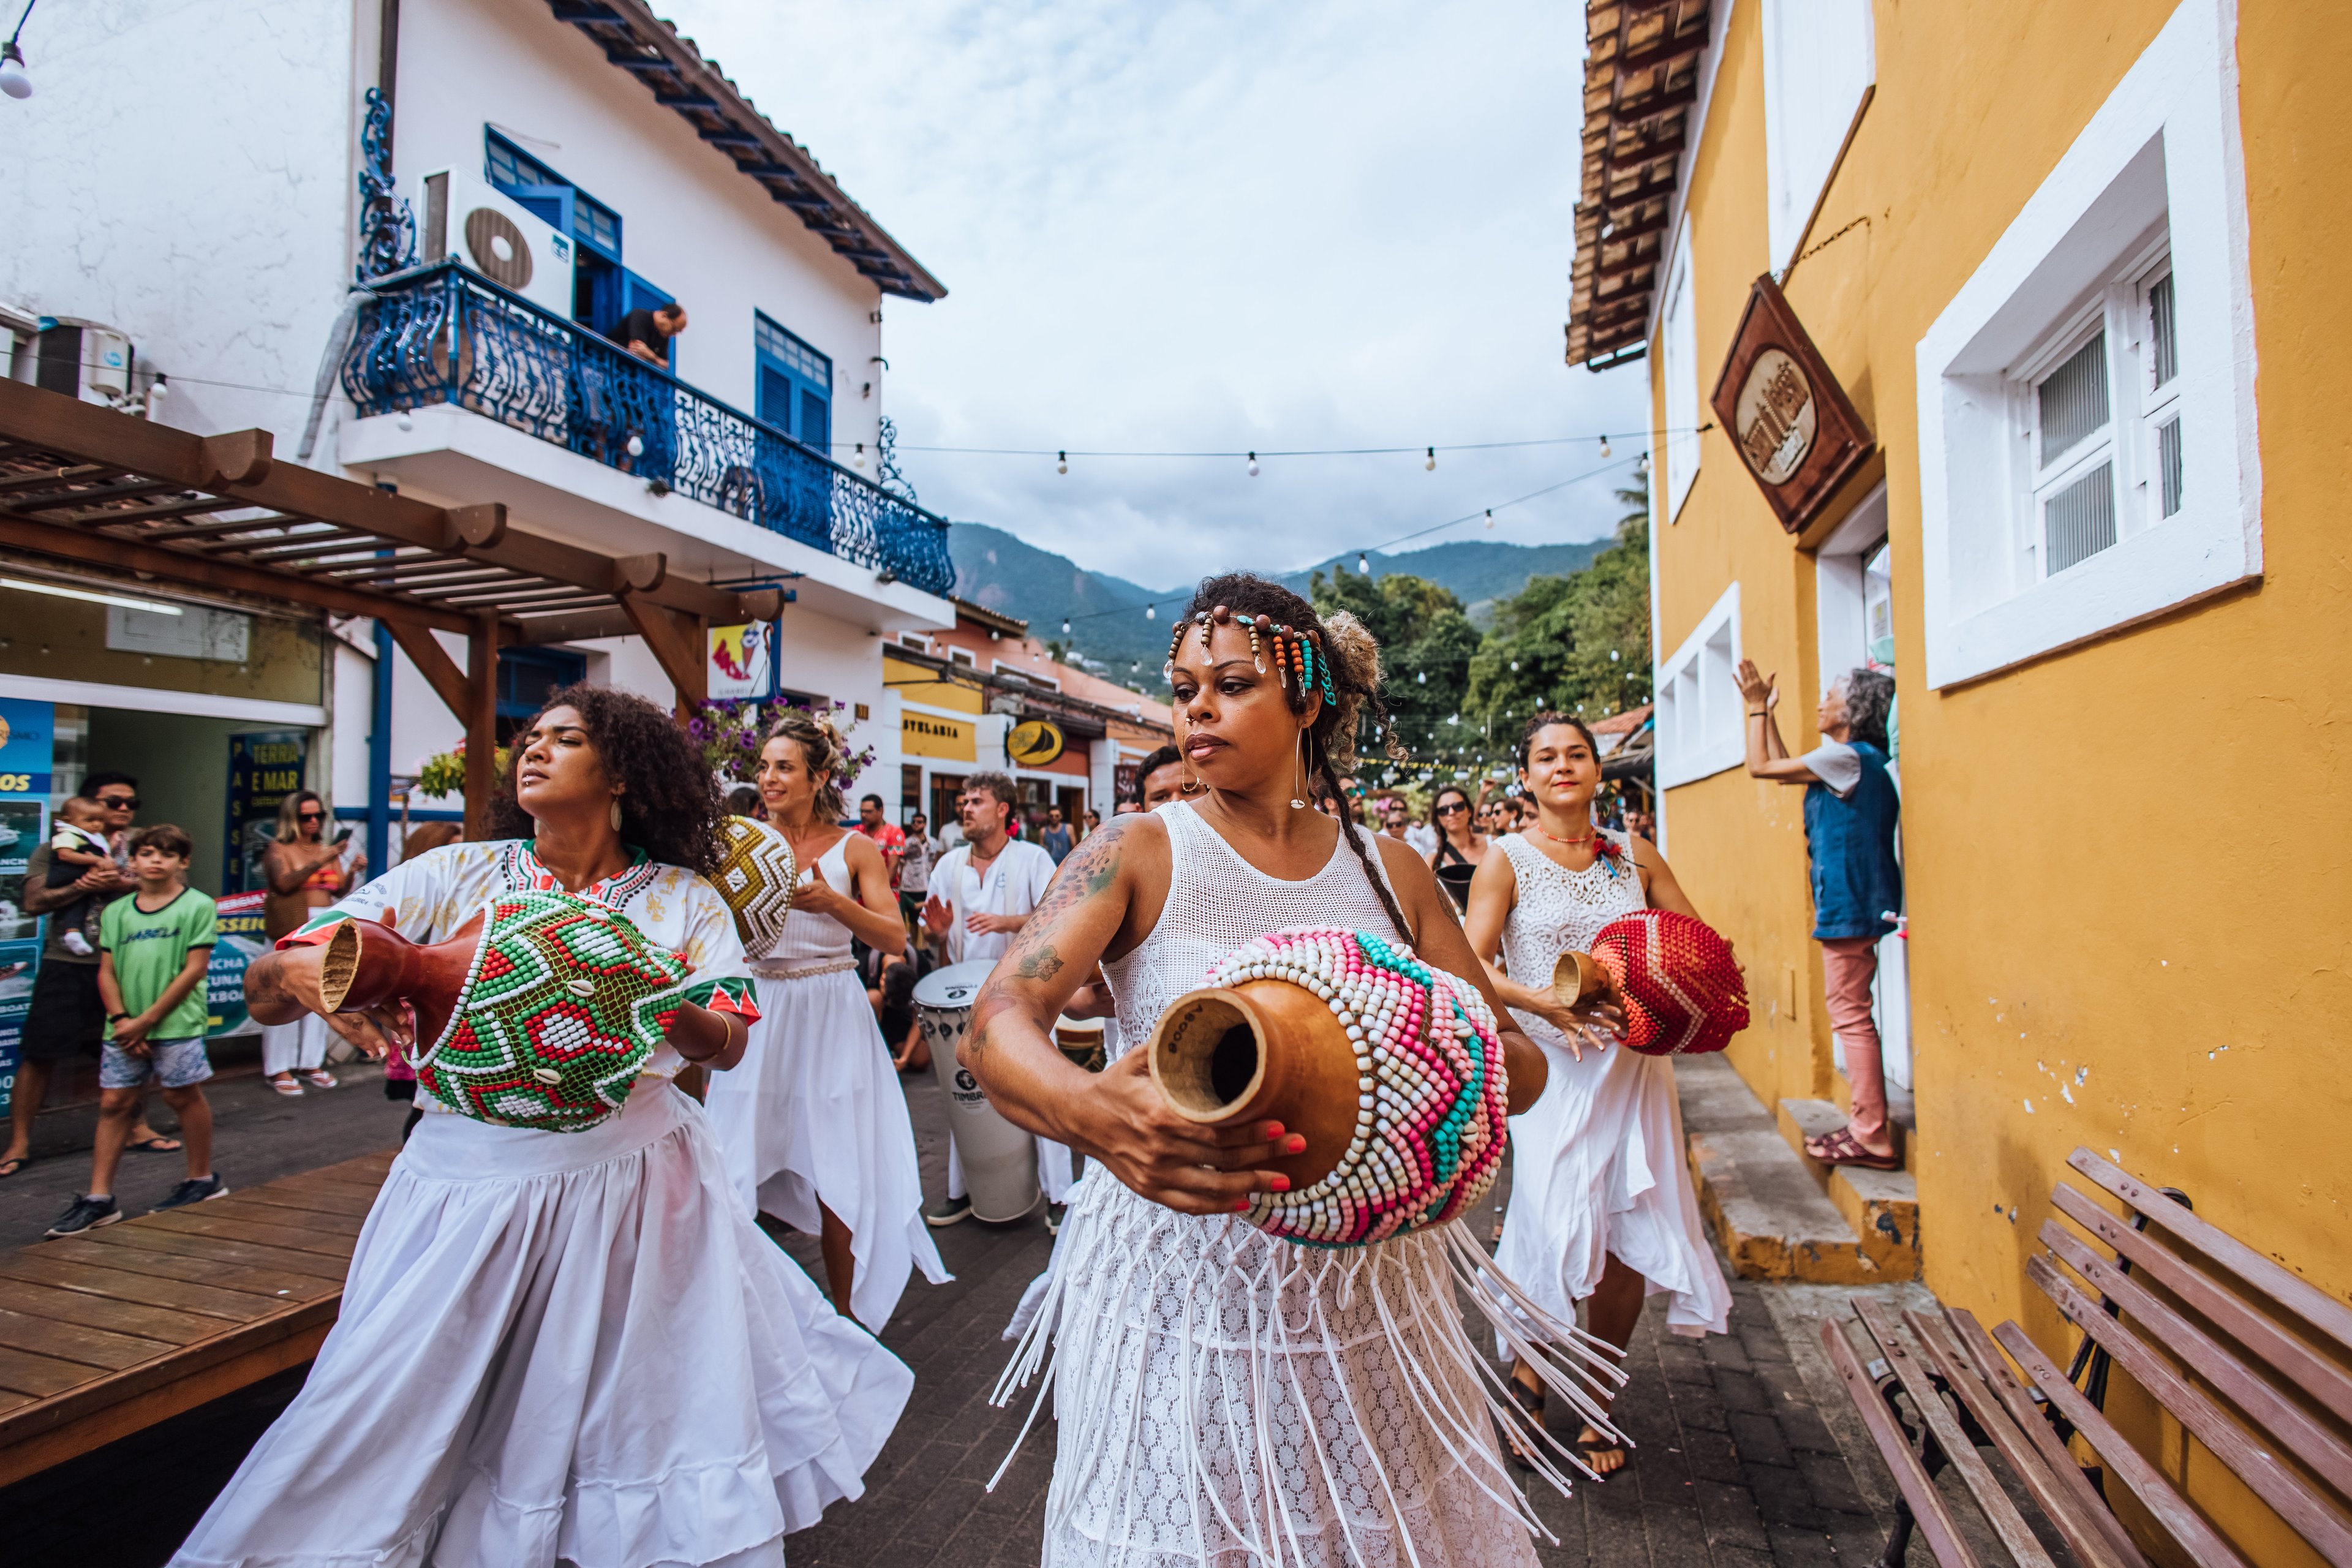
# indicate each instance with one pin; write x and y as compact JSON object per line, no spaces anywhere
{"x":1793,"y":425}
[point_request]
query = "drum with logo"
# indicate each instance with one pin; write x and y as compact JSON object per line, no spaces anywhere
{"x":1000,"y":1160}
{"x":1081,"y":1040}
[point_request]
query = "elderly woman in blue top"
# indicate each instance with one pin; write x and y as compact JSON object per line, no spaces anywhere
{"x":564,"y":1346}
{"x":1851,"y":808}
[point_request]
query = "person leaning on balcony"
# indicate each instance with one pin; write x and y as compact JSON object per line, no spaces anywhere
{"x":1851,"y":810}
{"x":646,"y":334}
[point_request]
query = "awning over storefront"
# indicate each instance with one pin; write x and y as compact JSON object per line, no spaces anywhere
{"x":112,"y":492}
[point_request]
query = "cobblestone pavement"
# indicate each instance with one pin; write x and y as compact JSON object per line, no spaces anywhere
{"x":1738,"y":1464}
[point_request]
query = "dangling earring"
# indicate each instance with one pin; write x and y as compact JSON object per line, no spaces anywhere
{"x":1298,"y":780}
{"x":616,"y":814}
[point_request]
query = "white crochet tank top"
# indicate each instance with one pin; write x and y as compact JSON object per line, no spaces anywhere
{"x":1216,"y":901}
{"x":1559,"y":910}
{"x":812,"y":938}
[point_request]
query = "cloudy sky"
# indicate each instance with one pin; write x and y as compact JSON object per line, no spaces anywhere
{"x":1214,"y":226}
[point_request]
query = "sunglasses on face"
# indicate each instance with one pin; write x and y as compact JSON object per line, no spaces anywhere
{"x":118,"y":802}
{"x":1449,"y":810}
{"x":308,"y":816}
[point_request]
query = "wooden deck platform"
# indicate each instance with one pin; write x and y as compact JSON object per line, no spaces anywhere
{"x":105,"y":1334}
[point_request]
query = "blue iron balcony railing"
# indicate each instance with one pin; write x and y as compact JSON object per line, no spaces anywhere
{"x":443,"y":333}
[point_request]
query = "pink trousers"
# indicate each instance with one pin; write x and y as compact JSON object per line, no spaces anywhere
{"x":1849,"y":964}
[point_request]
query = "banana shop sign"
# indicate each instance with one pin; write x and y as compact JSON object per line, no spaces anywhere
{"x":1035,"y":743}
{"x":1796,"y":430}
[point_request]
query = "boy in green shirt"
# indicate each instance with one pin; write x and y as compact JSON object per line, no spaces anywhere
{"x":153,"y":949}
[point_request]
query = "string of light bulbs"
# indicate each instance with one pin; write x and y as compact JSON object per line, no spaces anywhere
{"x":1151,"y":608}
{"x":1062,"y":455}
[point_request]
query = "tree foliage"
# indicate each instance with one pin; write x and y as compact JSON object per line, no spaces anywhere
{"x":1459,"y":697}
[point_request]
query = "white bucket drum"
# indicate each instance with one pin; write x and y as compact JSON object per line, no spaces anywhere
{"x":1000,"y":1160}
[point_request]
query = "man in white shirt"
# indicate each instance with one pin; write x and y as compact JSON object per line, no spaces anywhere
{"x":981,"y":891}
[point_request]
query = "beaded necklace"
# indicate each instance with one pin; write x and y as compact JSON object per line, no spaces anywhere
{"x":1433,"y":1094}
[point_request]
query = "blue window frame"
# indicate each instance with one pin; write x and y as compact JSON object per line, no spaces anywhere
{"x":528,"y":677}
{"x":552,"y":196}
{"x":795,"y":385}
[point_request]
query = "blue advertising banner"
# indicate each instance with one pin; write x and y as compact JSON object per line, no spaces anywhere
{"x":242,"y":939}
{"x":27,"y":754}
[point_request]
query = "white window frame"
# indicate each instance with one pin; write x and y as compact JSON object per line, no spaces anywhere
{"x":1678,"y":362}
{"x":1026,"y":676}
{"x":1812,"y":96}
{"x":1701,"y":731}
{"x":964,"y":657}
{"x":2160,"y":164}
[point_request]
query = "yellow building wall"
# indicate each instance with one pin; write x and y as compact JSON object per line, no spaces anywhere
{"x":2129,"y":864}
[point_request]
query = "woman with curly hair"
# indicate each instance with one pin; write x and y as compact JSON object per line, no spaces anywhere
{"x":1225,"y":1397}
{"x":563,"y":1346}
{"x":813,"y":1123}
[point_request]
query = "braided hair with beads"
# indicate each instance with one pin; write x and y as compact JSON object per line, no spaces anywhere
{"x":1336,"y":660}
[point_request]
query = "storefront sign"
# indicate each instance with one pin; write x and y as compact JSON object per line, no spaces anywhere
{"x":930,"y":735}
{"x":264,"y":767}
{"x":1794,"y":426}
{"x":243,"y":939}
{"x":27,"y":754}
{"x":743,"y":662}
{"x":1035,"y":743}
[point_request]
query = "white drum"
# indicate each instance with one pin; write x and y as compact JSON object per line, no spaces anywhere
{"x":1000,"y":1160}
{"x":1081,"y":1040}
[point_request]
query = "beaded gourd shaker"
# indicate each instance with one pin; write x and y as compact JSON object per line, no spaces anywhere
{"x":1390,"y":1065}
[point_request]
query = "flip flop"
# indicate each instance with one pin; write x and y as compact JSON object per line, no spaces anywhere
{"x":1842,"y":1148}
{"x":159,"y":1144}
{"x":10,"y":1166}
{"x":1525,"y":1435}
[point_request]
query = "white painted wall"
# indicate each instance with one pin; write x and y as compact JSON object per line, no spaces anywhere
{"x":184,"y":171}
{"x":690,"y":223}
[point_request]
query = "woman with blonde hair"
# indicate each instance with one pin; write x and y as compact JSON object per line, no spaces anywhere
{"x":813,"y":1121}
{"x":305,"y":872}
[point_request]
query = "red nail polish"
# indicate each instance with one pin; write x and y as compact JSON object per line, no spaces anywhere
{"x":1294,"y":1144}
{"x":1280,"y":1184}
{"x":1241,"y":1205}
{"x":1273,"y":1130}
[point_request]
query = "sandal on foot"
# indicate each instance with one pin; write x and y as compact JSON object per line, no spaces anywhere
{"x":1525,"y":1437}
{"x":1592,"y":1448}
{"x":1842,"y":1148}
{"x":14,"y":1164}
{"x":287,"y":1086}
{"x":159,"y":1144}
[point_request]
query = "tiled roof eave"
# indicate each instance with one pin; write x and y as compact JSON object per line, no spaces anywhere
{"x":681,"y":80}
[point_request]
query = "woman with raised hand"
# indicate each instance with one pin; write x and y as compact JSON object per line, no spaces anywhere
{"x":1602,"y":1210}
{"x":813,"y":1121}
{"x":1223,"y":1396}
{"x":563,"y":1346}
{"x":307,"y":871}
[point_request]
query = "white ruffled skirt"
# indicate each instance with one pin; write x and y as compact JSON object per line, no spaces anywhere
{"x":1226,"y":1400}
{"x":563,"y":1347}
{"x":1597,"y":1168}
{"x":814,"y":1113}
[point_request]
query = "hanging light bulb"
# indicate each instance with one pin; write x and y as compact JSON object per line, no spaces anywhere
{"x":1490,"y":517}
{"x":858,"y":459}
{"x":1066,"y":626}
{"x":1612,"y":656}
{"x":1430,"y":462}
{"x":1514,"y":663}
{"x":1363,"y":565}
{"x":1253,"y":464}
{"x":1061,"y":462}
{"x":1605,"y":445}
{"x":1150,"y":613}
{"x":1421,"y":678}
{"x":13,"y":80}
{"x":1641,"y":464}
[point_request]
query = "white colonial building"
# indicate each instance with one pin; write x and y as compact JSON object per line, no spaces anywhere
{"x":396,"y":235}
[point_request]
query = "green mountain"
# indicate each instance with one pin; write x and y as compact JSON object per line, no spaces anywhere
{"x":997,"y":570}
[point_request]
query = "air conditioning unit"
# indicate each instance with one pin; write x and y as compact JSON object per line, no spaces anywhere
{"x":498,"y":238}
{"x":88,"y":360}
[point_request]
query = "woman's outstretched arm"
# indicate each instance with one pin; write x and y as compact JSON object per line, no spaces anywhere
{"x":1114,"y":1116}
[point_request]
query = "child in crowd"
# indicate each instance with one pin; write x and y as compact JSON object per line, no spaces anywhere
{"x":77,"y":844}
{"x":153,"y":948}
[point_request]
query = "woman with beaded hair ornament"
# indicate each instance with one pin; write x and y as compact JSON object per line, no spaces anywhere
{"x":1602,"y":1210}
{"x":561,"y":1345}
{"x":1224,"y":1396}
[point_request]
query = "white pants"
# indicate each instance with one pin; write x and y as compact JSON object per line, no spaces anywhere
{"x":1055,"y":1172}
{"x":294,"y":1048}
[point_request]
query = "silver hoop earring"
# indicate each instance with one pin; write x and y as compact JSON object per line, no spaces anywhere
{"x":616,"y":814}
{"x":1299,"y":779}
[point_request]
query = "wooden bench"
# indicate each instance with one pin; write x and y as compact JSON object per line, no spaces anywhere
{"x":107,"y":1332}
{"x":2250,"y":1359}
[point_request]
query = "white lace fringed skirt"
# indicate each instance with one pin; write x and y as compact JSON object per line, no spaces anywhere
{"x":1233,"y":1401}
